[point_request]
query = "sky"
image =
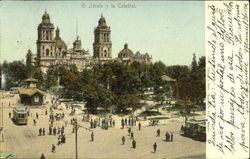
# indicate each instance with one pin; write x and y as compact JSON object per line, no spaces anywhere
{"x":170,"y":31}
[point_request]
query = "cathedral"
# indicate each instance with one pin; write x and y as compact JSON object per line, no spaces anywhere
{"x":52,"y":50}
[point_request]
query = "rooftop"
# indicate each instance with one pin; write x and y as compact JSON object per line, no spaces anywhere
{"x":30,"y":91}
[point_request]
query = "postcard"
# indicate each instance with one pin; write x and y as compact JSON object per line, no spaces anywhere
{"x":124,"y":79}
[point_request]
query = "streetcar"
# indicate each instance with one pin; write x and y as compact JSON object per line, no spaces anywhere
{"x":20,"y":115}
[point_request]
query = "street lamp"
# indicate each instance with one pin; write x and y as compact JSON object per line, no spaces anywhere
{"x":76,"y":126}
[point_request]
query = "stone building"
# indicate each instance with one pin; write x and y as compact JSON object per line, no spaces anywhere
{"x":127,"y":56}
{"x":102,"y":46}
{"x":52,"y":50}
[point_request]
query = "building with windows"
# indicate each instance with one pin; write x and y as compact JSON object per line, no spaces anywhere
{"x":52,"y":50}
{"x":127,"y":56}
{"x":31,"y":95}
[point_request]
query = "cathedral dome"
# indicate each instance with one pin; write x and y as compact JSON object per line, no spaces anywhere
{"x":126,"y":52}
{"x":59,"y":42}
{"x":46,"y":18}
{"x":102,"y":22}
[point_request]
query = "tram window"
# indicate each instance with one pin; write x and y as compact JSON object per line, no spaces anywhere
{"x":22,"y":115}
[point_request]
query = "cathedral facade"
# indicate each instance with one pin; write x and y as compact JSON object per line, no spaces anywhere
{"x":52,"y":50}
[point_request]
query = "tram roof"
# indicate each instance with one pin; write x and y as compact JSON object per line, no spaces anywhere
{"x":21,"y":110}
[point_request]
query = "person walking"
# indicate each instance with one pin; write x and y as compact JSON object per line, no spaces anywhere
{"x":63,"y":139}
{"x":37,"y":115}
{"x":53,"y":148}
{"x":42,"y":156}
{"x":34,"y":121}
{"x":155,"y":147}
{"x":134,"y":143}
{"x":50,"y":130}
{"x":59,"y":140}
{"x":91,"y":123}
{"x":123,"y":140}
{"x":158,"y":132}
{"x":92,"y":136}
{"x":54,"y":131}
{"x":129,"y":131}
{"x":132,"y":135}
{"x":139,"y":125}
{"x":167,"y":136}
{"x":58,"y":130}
{"x":171,"y":137}
{"x":122,"y":121}
{"x":40,"y":131}
{"x":62,"y":130}
{"x":9,"y":114}
{"x":122,"y":125}
{"x":43,"y":131}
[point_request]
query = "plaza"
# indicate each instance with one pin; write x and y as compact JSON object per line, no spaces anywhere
{"x":23,"y":141}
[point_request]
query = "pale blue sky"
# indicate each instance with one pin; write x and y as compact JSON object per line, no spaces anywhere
{"x":169,"y":31}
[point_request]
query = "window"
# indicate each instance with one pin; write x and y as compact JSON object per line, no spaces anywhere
{"x":21,"y":115}
{"x":47,"y":52}
{"x":105,"y":53}
{"x":36,"y":98}
{"x":47,"y":35}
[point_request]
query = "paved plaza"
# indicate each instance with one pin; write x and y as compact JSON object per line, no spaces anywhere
{"x":24,"y":141}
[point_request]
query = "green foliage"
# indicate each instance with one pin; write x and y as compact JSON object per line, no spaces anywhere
{"x":190,"y":82}
{"x":115,"y":85}
{"x":127,"y":101}
{"x":51,"y":79}
{"x":15,"y":73}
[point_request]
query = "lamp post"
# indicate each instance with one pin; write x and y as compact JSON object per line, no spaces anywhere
{"x":75,"y":124}
{"x":2,"y":121}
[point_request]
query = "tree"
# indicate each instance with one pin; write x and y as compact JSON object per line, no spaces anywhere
{"x":15,"y":73}
{"x":127,"y":101}
{"x":37,"y":74}
{"x":157,"y":70}
{"x":181,"y":74}
{"x":159,"y":98}
{"x":51,"y":79}
{"x":194,"y":65}
{"x":105,"y":98}
{"x":72,"y":86}
{"x":201,"y":84}
{"x":62,"y":72}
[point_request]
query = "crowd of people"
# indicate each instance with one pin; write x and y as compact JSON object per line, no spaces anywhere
{"x":104,"y":123}
{"x":128,"y":122}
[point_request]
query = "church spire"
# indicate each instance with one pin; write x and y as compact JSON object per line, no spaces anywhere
{"x":76,"y":28}
{"x":57,"y":32}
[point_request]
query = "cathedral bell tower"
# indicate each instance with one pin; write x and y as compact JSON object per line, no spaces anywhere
{"x":46,"y":40}
{"x":102,"y":46}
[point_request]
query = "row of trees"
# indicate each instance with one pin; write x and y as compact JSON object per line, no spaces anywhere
{"x":114,"y":85}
